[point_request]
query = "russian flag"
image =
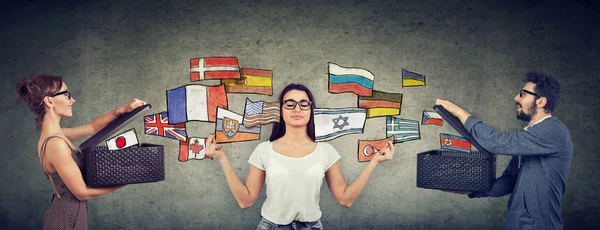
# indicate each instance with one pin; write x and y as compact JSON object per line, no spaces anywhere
{"x":191,"y":103}
{"x":353,"y":80}
{"x":453,"y":142}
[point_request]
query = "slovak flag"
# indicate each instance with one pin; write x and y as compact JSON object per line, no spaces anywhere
{"x":453,"y":142}
{"x":195,"y":103}
{"x":353,"y":80}
{"x":432,"y":118}
{"x":158,"y":125}
{"x":123,"y":140}
{"x":193,"y":148}
{"x":333,"y":123}
{"x":214,"y":68}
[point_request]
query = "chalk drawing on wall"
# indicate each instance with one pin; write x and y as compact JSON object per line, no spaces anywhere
{"x":254,"y":81}
{"x":210,"y":68}
{"x":333,"y":123}
{"x":195,"y":103}
{"x":158,"y":125}
{"x":412,"y":79}
{"x":229,"y":128}
{"x":350,"y":80}
{"x":381,"y":104}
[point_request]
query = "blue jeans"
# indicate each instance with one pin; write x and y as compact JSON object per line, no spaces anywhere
{"x":265,"y":224}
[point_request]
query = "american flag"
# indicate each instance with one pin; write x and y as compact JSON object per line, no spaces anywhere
{"x":260,"y":113}
{"x":158,"y":125}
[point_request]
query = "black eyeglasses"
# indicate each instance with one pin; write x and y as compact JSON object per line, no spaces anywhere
{"x":290,"y":104}
{"x":527,"y":91}
{"x":68,"y":94}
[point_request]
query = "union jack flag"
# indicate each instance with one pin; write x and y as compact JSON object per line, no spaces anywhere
{"x":158,"y":125}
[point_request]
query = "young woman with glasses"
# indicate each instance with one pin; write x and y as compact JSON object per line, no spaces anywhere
{"x":50,"y":100}
{"x":293,"y":166}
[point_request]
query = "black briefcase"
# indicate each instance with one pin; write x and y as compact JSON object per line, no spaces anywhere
{"x":456,"y":170}
{"x":137,"y":164}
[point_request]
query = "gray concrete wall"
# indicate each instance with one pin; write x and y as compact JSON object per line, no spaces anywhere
{"x":473,"y":52}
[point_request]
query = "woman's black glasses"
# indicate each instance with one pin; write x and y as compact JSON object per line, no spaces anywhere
{"x":290,"y":104}
{"x":63,"y":92}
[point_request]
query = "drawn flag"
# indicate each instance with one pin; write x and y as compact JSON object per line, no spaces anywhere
{"x":411,"y":79}
{"x":402,"y":130}
{"x":191,"y":103}
{"x":453,"y":142}
{"x":123,"y":140}
{"x":158,"y":125}
{"x":260,"y":113}
{"x":381,"y":104}
{"x":353,"y":80}
{"x":214,"y":68}
{"x":333,"y":123}
{"x":229,"y":128}
{"x":432,"y":118}
{"x":257,"y":81}
{"x":367,"y":149}
{"x":193,"y":148}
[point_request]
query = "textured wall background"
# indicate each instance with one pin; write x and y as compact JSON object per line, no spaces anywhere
{"x":473,"y":52}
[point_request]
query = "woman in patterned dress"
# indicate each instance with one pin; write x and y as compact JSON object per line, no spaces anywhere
{"x":49,"y":99}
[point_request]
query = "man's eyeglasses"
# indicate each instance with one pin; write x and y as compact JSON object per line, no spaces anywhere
{"x":527,"y":91}
{"x":68,"y":94}
{"x":290,"y":104}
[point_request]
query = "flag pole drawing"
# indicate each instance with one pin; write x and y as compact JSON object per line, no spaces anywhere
{"x":193,"y":148}
{"x":123,"y":140}
{"x":350,"y":79}
{"x":209,"y":68}
{"x":412,"y":79}
{"x":453,"y":142}
{"x":229,"y":128}
{"x":255,"y":81}
{"x":158,"y":125}
{"x":402,"y":130}
{"x":260,"y":113}
{"x":333,"y":123}
{"x":191,"y":103}
{"x":381,"y":104}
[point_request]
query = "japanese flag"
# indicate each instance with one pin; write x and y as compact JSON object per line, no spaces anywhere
{"x":123,"y":140}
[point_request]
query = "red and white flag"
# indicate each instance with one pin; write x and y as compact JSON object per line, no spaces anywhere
{"x":123,"y":140}
{"x":208,"y":68}
{"x":193,"y":148}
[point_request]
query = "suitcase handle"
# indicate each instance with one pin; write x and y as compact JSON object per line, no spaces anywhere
{"x":458,"y":126}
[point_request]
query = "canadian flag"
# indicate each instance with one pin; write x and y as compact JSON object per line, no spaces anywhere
{"x":123,"y":140}
{"x":192,"y":148}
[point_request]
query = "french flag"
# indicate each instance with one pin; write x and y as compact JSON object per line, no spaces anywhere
{"x":195,"y":103}
{"x":353,"y":80}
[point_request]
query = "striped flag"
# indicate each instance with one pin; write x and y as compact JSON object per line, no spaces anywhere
{"x":123,"y":140}
{"x":352,"y":80}
{"x":367,"y":149}
{"x":402,"y":129}
{"x":260,"y":113}
{"x":191,"y":103}
{"x":158,"y":125}
{"x":208,"y":68}
{"x":381,"y":104}
{"x":229,"y":128}
{"x":257,"y":81}
{"x":411,"y":79}
{"x":333,"y":123}
{"x":453,"y":142}
{"x":193,"y":148}
{"x":432,"y":118}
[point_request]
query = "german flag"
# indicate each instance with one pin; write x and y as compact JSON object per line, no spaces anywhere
{"x":381,"y":104}
{"x":256,"y":81}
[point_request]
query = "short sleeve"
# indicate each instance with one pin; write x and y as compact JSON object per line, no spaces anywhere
{"x":331,"y":155}
{"x":257,"y":157}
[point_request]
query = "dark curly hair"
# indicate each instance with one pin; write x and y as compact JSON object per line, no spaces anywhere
{"x":546,"y":86}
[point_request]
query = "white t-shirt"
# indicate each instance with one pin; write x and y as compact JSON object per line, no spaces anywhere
{"x":293,"y":184}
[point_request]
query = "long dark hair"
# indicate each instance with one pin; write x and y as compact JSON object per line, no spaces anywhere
{"x":35,"y":89}
{"x":279,"y":128}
